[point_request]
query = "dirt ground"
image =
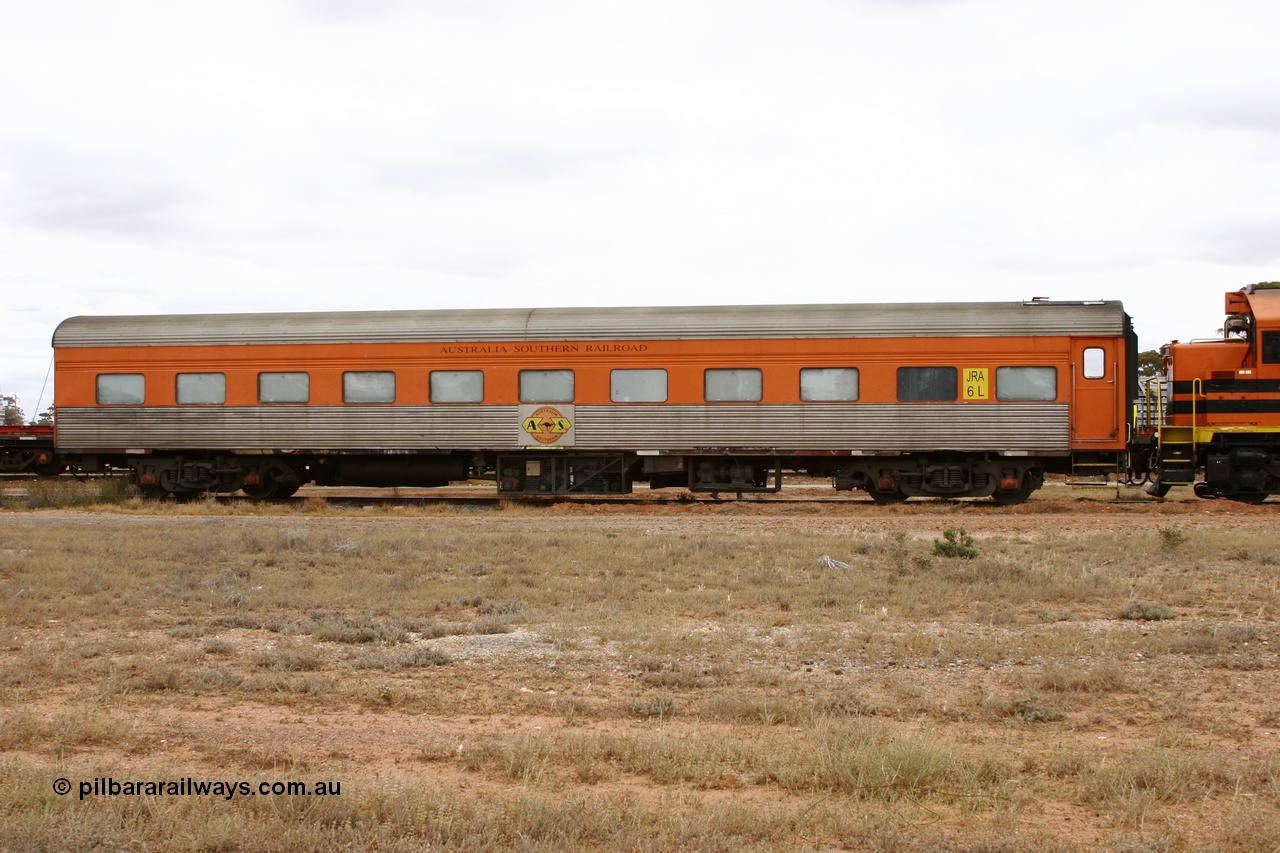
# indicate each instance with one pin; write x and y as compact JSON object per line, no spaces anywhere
{"x":1057,"y":705}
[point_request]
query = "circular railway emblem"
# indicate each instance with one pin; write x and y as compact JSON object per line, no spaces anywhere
{"x":546,"y":425}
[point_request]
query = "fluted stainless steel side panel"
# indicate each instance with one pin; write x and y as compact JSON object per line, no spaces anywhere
{"x":1018,"y":427}
{"x":939,"y":319}
{"x":289,"y":427}
{"x":1022,"y":427}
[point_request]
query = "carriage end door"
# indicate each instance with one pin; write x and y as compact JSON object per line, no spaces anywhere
{"x":1095,"y":393}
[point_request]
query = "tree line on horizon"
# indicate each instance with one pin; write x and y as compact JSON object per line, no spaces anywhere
{"x":14,"y":416}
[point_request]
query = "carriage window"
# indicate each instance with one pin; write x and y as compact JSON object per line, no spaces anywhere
{"x":734,"y":385}
{"x":638,"y":386}
{"x":369,"y":386}
{"x":1271,"y":347}
{"x":927,"y":384}
{"x":828,"y":384}
{"x":546,"y":386}
{"x":457,"y":386}
{"x":284,"y":387}
{"x":121,"y":389}
{"x":1095,"y":366}
{"x":202,"y":388}
{"x":1026,"y":383}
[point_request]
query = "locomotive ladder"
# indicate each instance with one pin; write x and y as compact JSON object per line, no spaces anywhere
{"x":1178,"y":445}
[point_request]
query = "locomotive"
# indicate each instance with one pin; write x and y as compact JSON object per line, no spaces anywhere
{"x":897,"y":400}
{"x":1220,"y":422}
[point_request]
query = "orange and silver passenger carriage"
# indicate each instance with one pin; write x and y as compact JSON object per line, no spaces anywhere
{"x":946,"y":399}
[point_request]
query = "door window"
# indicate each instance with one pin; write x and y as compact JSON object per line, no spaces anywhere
{"x":1095,"y":363}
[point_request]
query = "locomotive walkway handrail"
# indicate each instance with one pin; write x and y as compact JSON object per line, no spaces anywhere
{"x":1196,"y":390}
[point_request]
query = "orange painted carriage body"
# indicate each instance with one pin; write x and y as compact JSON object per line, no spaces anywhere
{"x":1046,"y":383}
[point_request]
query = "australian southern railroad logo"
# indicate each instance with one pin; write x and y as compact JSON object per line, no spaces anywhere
{"x":546,"y":425}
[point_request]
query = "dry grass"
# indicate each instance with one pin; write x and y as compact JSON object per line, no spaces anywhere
{"x":490,"y":680}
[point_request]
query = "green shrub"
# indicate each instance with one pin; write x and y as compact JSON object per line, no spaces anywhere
{"x":955,"y":543}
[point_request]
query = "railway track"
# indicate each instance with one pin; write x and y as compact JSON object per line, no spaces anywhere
{"x":14,"y":487}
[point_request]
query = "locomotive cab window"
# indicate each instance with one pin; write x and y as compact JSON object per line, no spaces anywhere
{"x":638,"y":386}
{"x":369,"y":386}
{"x":546,"y":386}
{"x":1095,"y":363}
{"x":1271,"y":347}
{"x":457,"y":386}
{"x":927,"y":384}
{"x":829,"y":384}
{"x":284,"y":387}
{"x":202,"y":389}
{"x":121,"y":389}
{"x":1026,"y":383}
{"x":733,"y":385}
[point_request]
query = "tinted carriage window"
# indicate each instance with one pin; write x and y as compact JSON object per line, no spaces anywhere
{"x":121,"y":389}
{"x":1095,"y":364}
{"x":828,"y":384}
{"x":369,"y":386}
{"x":1026,"y":383}
{"x":284,"y":387}
{"x":734,"y":385}
{"x":202,"y":388}
{"x":638,"y":386}
{"x":927,"y":384}
{"x":546,"y":386}
{"x":457,"y":386}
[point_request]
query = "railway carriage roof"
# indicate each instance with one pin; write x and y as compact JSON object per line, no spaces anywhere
{"x":940,"y":319}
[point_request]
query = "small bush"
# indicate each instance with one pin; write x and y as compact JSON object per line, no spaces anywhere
{"x":1105,"y":678}
{"x":843,"y":703}
{"x":955,"y":543}
{"x":1172,"y":538}
{"x":340,"y":628}
{"x":660,"y":706}
{"x":1140,"y":610}
{"x":1034,"y":710}
{"x":285,"y":658}
{"x":218,"y":647}
{"x":188,"y":631}
{"x":238,"y":620}
{"x":492,"y":625}
{"x":416,"y":658}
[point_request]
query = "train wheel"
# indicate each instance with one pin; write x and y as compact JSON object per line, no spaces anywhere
{"x":263,"y":491}
{"x":884,"y":497}
{"x":1010,"y":497}
{"x":1247,"y":497}
{"x":277,"y":483}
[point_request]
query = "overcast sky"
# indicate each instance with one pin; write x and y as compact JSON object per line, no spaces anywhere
{"x":178,"y":157}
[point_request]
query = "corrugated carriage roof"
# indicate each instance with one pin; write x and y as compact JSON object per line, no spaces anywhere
{"x":953,"y":319}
